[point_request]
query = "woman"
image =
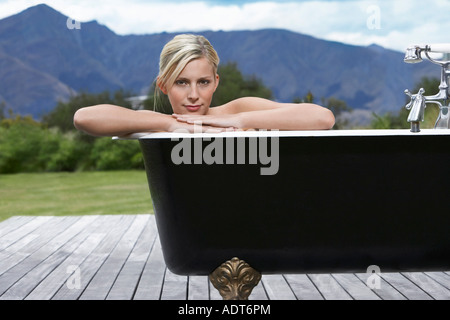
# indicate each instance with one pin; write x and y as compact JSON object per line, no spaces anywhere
{"x":188,"y":76}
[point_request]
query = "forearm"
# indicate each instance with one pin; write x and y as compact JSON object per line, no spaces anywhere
{"x":110,"y":120}
{"x":290,"y":117}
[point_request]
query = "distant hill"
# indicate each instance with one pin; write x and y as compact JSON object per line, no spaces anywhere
{"x":43,"y":61}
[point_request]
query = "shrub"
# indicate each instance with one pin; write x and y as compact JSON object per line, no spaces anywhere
{"x":108,"y":154}
{"x":29,"y":147}
{"x":20,"y":148}
{"x":70,"y":154}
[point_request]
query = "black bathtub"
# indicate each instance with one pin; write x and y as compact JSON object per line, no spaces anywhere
{"x":301,"y":201}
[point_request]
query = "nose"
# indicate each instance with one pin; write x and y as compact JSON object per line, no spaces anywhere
{"x":193,"y":93}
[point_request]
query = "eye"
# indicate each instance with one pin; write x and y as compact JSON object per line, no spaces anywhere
{"x":181,"y":82}
{"x":204,"y":82}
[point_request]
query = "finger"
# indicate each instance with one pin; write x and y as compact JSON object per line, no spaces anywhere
{"x":196,"y":128}
{"x":209,"y":129}
{"x":188,"y":119}
{"x":213,"y":130}
{"x":180,"y":117}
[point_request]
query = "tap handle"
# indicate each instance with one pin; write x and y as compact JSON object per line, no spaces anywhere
{"x":409,"y":105}
{"x":439,"y":47}
{"x":413,"y":97}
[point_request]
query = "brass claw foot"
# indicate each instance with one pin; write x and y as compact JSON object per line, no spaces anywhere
{"x":235,"y":279}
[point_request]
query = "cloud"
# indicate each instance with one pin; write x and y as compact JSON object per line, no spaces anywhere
{"x":392,"y":24}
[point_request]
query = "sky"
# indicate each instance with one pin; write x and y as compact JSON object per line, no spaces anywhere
{"x":393,"y":24}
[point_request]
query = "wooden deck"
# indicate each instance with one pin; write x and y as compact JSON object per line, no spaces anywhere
{"x":119,"y":257}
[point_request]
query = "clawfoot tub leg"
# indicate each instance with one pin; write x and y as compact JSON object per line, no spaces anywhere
{"x":235,"y":279}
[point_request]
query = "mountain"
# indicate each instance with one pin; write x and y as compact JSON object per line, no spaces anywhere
{"x":42,"y":61}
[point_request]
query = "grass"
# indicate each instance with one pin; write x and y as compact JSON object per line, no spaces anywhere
{"x":80,"y":193}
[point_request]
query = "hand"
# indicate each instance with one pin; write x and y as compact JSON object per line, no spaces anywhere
{"x":228,"y":121}
{"x":197,"y":127}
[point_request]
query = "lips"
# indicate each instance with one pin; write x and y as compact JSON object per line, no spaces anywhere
{"x":193,"y":108}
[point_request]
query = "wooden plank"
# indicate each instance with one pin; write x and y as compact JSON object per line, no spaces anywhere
{"x":406,"y":287}
{"x":152,"y":279}
{"x":214,"y":293}
{"x":150,"y":284}
{"x":174,"y":287}
{"x":328,"y":287}
{"x":59,"y":276}
{"x":125,"y":284}
{"x":117,"y":226}
{"x":14,"y":235}
{"x":303,"y":287}
{"x":26,"y":246}
{"x":17,"y":246}
{"x":39,"y":257}
{"x":103,"y":280}
{"x":13,"y":223}
{"x":441,"y":277}
{"x":198,"y":288}
{"x":385,"y":291}
{"x":429,"y":285}
{"x":355,"y":287}
{"x":276,"y":287}
{"x":259,"y":293}
{"x":27,"y":282}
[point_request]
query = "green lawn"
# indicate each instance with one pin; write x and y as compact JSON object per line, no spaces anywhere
{"x":108,"y":192}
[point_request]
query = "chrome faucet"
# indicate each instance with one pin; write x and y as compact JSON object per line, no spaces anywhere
{"x":417,"y":106}
{"x":418,"y":101}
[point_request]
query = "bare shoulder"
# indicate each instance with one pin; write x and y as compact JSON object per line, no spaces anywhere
{"x":244,"y":105}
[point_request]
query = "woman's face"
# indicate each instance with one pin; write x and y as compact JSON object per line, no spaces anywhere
{"x":193,"y":90}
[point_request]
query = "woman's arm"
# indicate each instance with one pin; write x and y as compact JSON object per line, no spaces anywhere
{"x":304,"y":116}
{"x":110,"y":120}
{"x":260,"y":113}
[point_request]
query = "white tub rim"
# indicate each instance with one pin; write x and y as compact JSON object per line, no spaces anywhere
{"x":278,"y":133}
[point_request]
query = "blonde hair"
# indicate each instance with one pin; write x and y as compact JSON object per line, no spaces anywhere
{"x":177,"y":53}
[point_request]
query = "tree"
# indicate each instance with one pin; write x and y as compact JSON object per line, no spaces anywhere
{"x":308,"y":98}
{"x":2,"y":110}
{"x":16,"y":119}
{"x":233,"y":85}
